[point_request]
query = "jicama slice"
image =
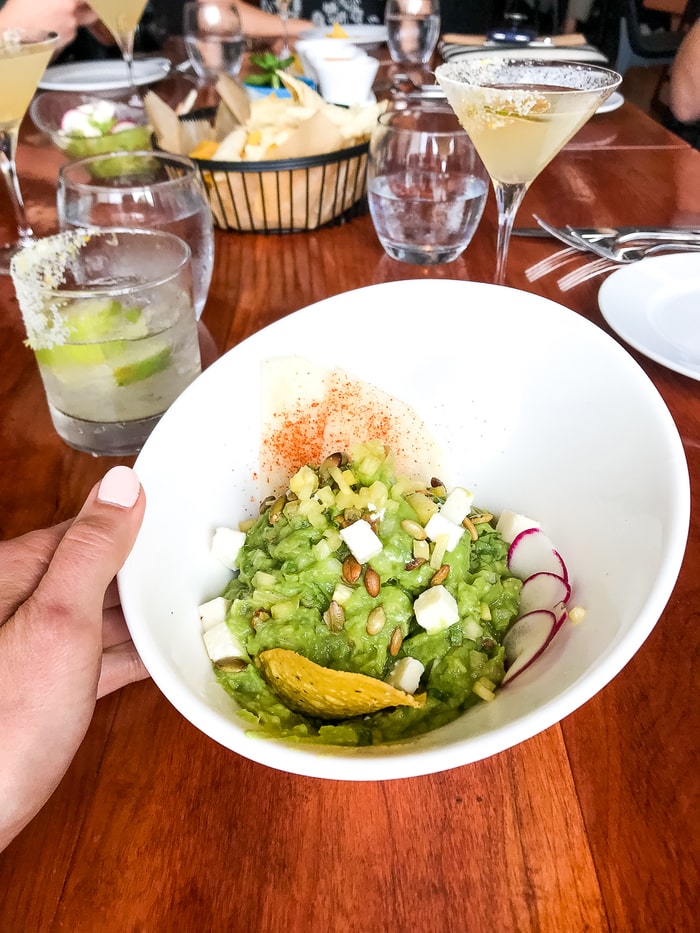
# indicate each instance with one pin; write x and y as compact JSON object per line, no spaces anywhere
{"x":532,"y":552}
{"x":526,"y":641}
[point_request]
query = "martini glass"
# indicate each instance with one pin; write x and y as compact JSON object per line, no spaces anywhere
{"x":519,"y":114}
{"x":122,"y":17}
{"x":24,"y":55}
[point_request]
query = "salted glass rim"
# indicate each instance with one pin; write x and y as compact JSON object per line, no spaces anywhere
{"x":460,"y":72}
{"x":126,"y":288}
{"x":27,"y":37}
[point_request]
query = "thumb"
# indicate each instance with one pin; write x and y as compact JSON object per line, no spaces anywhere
{"x":94,"y":548}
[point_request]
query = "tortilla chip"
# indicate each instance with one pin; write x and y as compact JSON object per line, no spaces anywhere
{"x":326,"y":693}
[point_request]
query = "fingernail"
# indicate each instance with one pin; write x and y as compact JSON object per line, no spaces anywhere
{"x":120,"y":486}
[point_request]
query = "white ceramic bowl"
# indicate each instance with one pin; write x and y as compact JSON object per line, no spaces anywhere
{"x":537,"y":410}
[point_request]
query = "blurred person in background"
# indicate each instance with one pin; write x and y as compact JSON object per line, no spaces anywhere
{"x":684,"y":87}
{"x":64,"y":17}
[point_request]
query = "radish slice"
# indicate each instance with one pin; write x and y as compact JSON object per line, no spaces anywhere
{"x":532,"y":552}
{"x":561,"y":614}
{"x":526,"y":641}
{"x":543,"y":590}
{"x":122,"y":126}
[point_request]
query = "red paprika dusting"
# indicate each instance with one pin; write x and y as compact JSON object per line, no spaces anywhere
{"x":351,"y":412}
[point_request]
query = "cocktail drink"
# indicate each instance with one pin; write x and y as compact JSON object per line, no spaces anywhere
{"x":121,"y":17}
{"x":24,"y":55}
{"x":145,"y":191}
{"x":519,"y":114}
{"x":110,"y":317}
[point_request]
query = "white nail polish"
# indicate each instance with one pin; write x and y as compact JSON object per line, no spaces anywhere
{"x":120,"y":486}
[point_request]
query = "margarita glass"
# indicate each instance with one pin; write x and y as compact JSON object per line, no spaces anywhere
{"x":24,"y":55}
{"x":519,"y":114}
{"x":110,"y":317}
{"x":122,"y":17}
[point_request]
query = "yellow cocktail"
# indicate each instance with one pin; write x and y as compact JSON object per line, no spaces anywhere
{"x":121,"y":17}
{"x":519,"y":114}
{"x":24,"y":56}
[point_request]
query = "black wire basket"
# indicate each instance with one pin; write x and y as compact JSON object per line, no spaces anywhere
{"x":287,"y":195}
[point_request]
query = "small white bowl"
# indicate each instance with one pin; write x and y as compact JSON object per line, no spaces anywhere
{"x":537,"y":410}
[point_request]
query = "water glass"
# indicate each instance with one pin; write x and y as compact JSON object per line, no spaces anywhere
{"x":426,"y":185}
{"x":413,"y":29}
{"x":142,"y":190}
{"x":110,"y":317}
{"x":213,"y":38}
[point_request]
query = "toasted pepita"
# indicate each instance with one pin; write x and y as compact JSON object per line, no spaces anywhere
{"x":325,"y":693}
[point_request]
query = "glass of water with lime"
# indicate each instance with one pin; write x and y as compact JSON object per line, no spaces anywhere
{"x":110,"y":317}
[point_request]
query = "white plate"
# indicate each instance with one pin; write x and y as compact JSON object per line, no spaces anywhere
{"x":654,"y":305}
{"x":362,"y":34}
{"x":613,"y":102}
{"x":489,"y":369}
{"x":106,"y":75}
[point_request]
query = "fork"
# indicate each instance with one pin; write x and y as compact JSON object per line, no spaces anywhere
{"x":624,"y":255}
{"x":561,"y":258}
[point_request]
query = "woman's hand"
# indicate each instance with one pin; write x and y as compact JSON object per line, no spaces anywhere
{"x":63,"y":641}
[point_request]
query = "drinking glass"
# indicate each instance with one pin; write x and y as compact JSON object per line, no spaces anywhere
{"x":142,"y":190}
{"x":519,"y":114}
{"x":214,"y":39}
{"x":426,"y":185}
{"x":24,"y":55}
{"x":110,"y":318}
{"x":122,"y":17}
{"x":413,"y":29}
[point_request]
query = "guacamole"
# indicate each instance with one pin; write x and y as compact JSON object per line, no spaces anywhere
{"x":310,"y":583}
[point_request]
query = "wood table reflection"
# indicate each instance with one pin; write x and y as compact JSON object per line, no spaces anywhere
{"x":591,"y":825}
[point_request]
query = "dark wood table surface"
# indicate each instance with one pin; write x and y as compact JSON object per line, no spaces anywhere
{"x":591,"y":825}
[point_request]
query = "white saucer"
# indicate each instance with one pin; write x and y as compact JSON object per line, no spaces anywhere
{"x":613,"y":102}
{"x":362,"y":34}
{"x":654,"y":305}
{"x":103,"y":75}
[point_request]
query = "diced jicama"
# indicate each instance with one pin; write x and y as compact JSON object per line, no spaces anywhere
{"x":526,"y":641}
{"x":510,"y":524}
{"x":543,"y":590}
{"x":532,"y":552}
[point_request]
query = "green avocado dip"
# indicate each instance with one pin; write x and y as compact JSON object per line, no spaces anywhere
{"x":304,"y":586}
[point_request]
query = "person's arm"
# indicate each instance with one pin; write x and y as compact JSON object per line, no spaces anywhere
{"x":261,"y":25}
{"x":63,"y":641}
{"x":684,"y":89}
{"x":60,"y":16}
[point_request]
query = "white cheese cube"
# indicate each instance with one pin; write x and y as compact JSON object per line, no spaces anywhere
{"x":436,"y":609}
{"x":406,"y":675}
{"x":510,"y":524}
{"x":225,"y":546}
{"x":438,"y":525}
{"x":213,"y":612}
{"x":362,"y":541}
{"x":456,"y":506}
{"x":221,"y":643}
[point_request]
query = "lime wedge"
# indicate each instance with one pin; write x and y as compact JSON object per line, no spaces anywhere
{"x":96,"y":319}
{"x":66,"y":355}
{"x":140,"y":369}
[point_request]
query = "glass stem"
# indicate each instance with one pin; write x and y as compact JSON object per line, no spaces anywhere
{"x":8,"y":147}
{"x":126,"y":46}
{"x":508,"y":198}
{"x":284,"y":16}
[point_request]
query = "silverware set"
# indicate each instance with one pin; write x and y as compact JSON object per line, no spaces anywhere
{"x":611,"y":246}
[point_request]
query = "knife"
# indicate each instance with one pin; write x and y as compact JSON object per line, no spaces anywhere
{"x":628,"y":232}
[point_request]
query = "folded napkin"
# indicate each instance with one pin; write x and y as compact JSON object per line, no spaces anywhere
{"x":570,"y":47}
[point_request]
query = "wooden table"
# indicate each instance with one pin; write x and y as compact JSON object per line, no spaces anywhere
{"x":591,"y":825}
